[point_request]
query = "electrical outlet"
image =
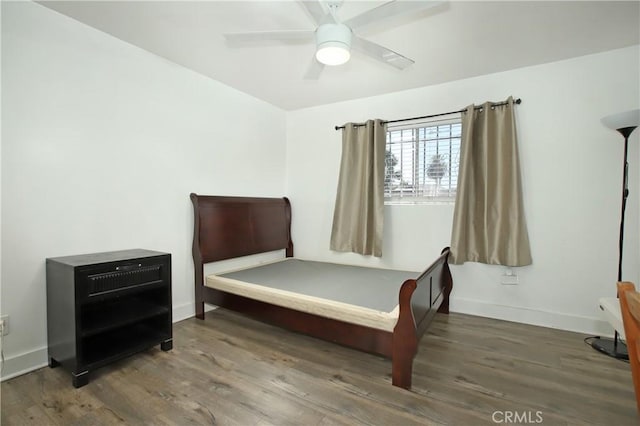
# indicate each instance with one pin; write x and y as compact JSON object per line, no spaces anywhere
{"x":4,"y":319}
{"x":509,"y":277}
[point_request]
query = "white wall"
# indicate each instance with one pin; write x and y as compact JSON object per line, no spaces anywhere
{"x":101,"y":145}
{"x":572,"y":175}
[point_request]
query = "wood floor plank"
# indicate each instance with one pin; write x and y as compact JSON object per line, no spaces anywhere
{"x":231,"y":370}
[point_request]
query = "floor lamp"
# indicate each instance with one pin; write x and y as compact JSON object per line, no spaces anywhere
{"x":625,"y":123}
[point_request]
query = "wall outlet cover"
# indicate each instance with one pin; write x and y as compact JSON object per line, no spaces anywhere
{"x":509,"y":279}
{"x":5,"y":327}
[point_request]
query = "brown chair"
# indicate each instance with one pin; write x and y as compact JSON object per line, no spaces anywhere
{"x":630,"y":308}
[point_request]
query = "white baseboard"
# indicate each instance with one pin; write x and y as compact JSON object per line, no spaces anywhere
{"x":188,"y":310}
{"x":26,"y":362}
{"x":579,"y":324}
{"x":183,"y":311}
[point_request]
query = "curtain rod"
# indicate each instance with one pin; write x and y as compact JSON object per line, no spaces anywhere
{"x":516,"y":101}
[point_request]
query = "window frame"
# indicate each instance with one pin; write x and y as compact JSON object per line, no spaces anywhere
{"x":416,"y":175}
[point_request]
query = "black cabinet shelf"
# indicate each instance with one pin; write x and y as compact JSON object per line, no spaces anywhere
{"x":99,"y":318}
{"x":117,"y":344}
{"x":106,"y":306}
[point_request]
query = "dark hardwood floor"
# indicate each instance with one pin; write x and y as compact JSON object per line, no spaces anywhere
{"x":232,"y":370}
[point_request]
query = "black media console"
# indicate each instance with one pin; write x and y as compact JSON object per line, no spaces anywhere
{"x":102,"y":307}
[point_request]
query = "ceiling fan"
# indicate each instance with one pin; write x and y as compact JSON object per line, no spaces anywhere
{"x":335,"y":38}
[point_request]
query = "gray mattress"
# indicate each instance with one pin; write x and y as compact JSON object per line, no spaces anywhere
{"x":371,"y":288}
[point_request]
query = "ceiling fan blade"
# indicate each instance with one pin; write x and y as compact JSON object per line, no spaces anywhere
{"x":388,"y":10}
{"x":314,"y":70}
{"x":381,"y":53}
{"x":293,"y":35}
{"x":317,"y":12}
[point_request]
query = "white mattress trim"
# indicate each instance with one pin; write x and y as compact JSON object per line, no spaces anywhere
{"x":314,"y":305}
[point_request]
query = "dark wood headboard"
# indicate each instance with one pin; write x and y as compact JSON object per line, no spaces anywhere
{"x":228,"y":227}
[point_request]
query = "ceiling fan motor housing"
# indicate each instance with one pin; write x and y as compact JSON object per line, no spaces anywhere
{"x":333,"y":42}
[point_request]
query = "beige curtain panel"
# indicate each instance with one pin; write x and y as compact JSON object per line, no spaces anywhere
{"x":358,"y":215}
{"x":488,"y":220}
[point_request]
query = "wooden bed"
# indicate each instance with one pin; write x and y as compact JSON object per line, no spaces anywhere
{"x":231,"y":227}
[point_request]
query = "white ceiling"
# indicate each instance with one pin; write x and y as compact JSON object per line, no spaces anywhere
{"x":452,"y":41}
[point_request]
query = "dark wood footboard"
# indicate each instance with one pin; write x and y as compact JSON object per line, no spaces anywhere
{"x":420,"y":300}
{"x":229,"y":227}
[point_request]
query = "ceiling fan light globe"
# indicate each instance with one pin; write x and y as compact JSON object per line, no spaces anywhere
{"x":333,"y":53}
{"x":333,"y":43}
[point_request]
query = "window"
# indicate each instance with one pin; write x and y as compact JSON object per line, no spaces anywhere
{"x":421,"y":162}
